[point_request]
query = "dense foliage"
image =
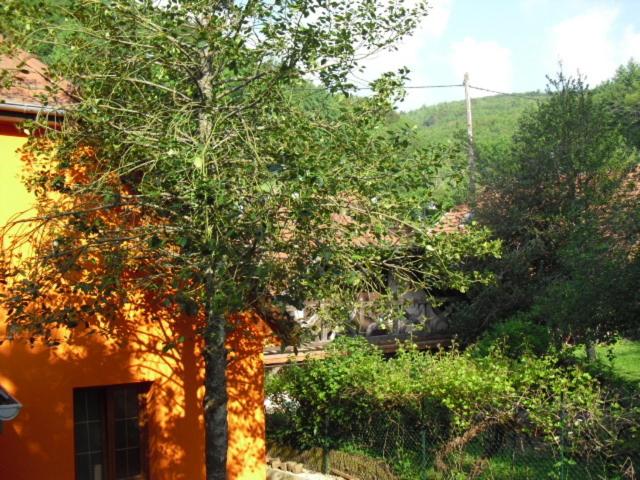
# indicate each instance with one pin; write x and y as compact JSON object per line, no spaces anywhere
{"x":516,"y":338}
{"x":190,"y":167}
{"x":556,"y":196}
{"x":621,"y":97}
{"x":452,"y":396}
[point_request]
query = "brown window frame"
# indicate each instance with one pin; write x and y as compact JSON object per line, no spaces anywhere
{"x":107,"y":405}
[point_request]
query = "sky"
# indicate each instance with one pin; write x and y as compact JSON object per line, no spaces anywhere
{"x":511,"y":45}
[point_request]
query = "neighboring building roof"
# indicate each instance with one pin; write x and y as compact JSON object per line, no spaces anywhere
{"x":454,"y":220}
{"x":31,"y":87}
{"x":275,"y":356}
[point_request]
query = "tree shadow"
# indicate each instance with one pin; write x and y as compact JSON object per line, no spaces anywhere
{"x":39,"y":443}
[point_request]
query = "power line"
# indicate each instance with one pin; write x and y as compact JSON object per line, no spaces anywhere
{"x":521,"y":95}
{"x":422,"y":87}
{"x":407,"y":87}
{"x":417,"y":87}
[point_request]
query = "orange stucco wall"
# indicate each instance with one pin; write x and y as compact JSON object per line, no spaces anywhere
{"x":39,"y":443}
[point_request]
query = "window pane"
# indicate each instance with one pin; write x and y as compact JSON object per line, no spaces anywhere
{"x":95,"y":404}
{"x":95,"y":436}
{"x":131,"y":403}
{"x":133,"y":433}
{"x":122,"y":470}
{"x":88,"y":414}
{"x":83,"y":467}
{"x":97,"y":468}
{"x":121,"y":434}
{"x":134,"y":461}
{"x":79,"y":407}
{"x":127,"y":431}
{"x":119,"y":400}
{"x":82,"y":438}
{"x":126,"y":401}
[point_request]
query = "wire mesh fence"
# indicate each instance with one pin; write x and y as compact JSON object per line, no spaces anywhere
{"x":393,"y":447}
{"x":485,"y":451}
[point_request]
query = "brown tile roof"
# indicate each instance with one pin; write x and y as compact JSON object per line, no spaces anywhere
{"x":30,"y":83}
{"x":454,"y":220}
{"x":619,"y":219}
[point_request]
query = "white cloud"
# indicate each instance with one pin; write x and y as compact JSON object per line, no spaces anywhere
{"x":438,"y":18}
{"x":585,"y":44}
{"x":487,"y":62}
{"x":631,"y":45}
{"x":530,"y":6}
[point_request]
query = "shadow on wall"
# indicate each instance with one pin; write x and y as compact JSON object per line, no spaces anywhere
{"x":125,"y":340}
{"x":245,"y":385}
{"x":39,"y":443}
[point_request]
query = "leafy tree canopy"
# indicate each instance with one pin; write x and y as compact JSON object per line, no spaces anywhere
{"x":191,"y":168}
{"x":621,"y":97}
{"x":551,"y":199}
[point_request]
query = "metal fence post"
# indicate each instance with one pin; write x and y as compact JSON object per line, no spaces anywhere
{"x":563,"y":473}
{"x":325,"y":449}
{"x":423,"y":453}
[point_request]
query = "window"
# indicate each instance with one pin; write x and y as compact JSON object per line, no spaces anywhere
{"x":110,"y":432}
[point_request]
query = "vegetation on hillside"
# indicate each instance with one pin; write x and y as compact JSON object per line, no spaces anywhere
{"x":494,"y":118}
{"x":445,"y":124}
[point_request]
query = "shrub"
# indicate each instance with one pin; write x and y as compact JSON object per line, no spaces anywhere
{"x":330,"y":402}
{"x":515,"y":338}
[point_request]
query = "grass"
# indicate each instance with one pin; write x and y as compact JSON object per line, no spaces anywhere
{"x":625,"y":359}
{"x":621,"y":360}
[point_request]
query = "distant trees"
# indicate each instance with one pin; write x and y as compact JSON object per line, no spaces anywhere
{"x":620,"y":96}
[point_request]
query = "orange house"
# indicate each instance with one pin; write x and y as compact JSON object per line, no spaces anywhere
{"x":103,"y":408}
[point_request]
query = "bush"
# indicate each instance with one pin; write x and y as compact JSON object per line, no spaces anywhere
{"x":334,"y":402}
{"x":323,"y":399}
{"x":515,"y":338}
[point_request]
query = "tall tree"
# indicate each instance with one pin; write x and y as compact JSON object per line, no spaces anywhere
{"x":547,"y":200}
{"x":190,"y":167}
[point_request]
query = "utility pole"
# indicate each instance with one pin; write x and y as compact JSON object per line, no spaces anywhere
{"x":472,"y":152}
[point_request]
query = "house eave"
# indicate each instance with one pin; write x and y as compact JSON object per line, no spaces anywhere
{"x":19,"y":112}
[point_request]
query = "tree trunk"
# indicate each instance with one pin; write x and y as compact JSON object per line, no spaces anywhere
{"x":215,"y":389}
{"x":215,"y":354}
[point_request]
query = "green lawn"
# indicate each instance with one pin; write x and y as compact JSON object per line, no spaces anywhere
{"x":622,"y":357}
{"x":626,"y":359}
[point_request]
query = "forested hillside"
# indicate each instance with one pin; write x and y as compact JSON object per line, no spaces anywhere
{"x":494,"y":118}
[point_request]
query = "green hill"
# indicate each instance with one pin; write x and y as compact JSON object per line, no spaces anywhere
{"x":494,"y":121}
{"x":494,"y":118}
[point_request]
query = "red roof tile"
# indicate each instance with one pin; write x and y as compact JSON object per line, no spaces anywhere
{"x":31,"y":83}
